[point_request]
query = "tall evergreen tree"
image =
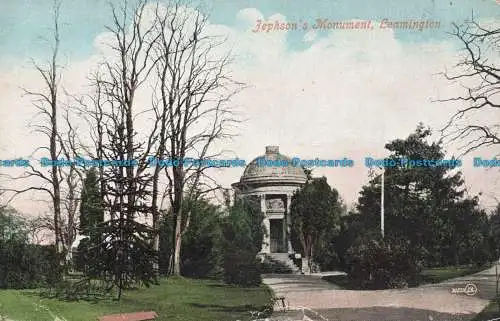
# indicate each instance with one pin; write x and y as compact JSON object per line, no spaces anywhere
{"x":201,"y":249}
{"x":315,"y":211}
{"x":495,"y":230}
{"x":243,"y":233}
{"x":91,"y":207}
{"x":423,"y":204}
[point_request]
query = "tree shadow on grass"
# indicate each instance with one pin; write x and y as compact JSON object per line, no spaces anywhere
{"x":342,"y":281}
{"x":232,"y":286}
{"x":67,"y":295}
{"x":36,"y":296}
{"x":227,"y":309}
{"x":220,"y":286}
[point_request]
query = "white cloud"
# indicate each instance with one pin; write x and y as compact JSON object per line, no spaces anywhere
{"x":310,"y":36}
{"x":249,"y":16}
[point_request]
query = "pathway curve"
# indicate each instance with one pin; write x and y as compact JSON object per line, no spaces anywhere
{"x":428,"y":302}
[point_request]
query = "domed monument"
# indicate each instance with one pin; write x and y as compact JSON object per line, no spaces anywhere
{"x":272,"y":178}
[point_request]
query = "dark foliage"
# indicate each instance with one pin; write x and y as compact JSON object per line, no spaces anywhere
{"x":28,"y":266}
{"x":241,"y":267}
{"x":382,"y":264}
{"x":315,"y":212}
{"x":426,"y":206}
{"x":201,"y":252}
{"x":24,"y":265}
{"x":243,"y":234}
{"x":353,"y":228}
{"x":123,"y":259}
{"x":91,"y":207}
{"x":165,"y":250}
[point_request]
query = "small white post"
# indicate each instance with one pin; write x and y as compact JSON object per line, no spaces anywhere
{"x":382,"y":204}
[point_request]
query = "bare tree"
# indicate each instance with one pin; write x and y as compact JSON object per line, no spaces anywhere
{"x":479,"y":74}
{"x":47,"y":103}
{"x":125,"y":187}
{"x":195,"y":86}
{"x":189,"y":107}
{"x":73,"y":178}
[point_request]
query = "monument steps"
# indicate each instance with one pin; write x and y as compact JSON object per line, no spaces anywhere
{"x":279,"y":263}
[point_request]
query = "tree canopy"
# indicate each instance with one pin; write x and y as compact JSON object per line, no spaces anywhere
{"x":425,"y":205}
{"x":315,"y":210}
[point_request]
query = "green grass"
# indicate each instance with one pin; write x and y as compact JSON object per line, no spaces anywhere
{"x":175,"y":299}
{"x":436,"y":275}
{"x":490,"y":312}
{"x":431,"y":275}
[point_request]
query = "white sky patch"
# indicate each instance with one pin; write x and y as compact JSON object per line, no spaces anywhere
{"x":310,"y":35}
{"x":249,"y":16}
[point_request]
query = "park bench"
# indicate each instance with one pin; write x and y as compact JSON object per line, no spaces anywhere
{"x":137,"y":316}
{"x":284,"y":303}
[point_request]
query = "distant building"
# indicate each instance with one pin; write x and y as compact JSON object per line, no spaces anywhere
{"x":275,"y":186}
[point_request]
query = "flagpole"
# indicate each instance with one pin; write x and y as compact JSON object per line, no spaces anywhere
{"x":382,"y":204}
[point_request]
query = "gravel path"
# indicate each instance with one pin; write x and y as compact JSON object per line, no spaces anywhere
{"x":429,"y":302}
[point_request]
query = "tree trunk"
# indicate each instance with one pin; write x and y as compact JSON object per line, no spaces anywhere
{"x":57,"y":211}
{"x":154,"y":205}
{"x":120,"y":289}
{"x":177,"y":255}
{"x":309,"y":252}
{"x":178,"y":210}
{"x":54,"y":174}
{"x":156,"y":230}
{"x":176,"y":263}
{"x":310,"y":259}
{"x":497,"y":284}
{"x":156,"y":244}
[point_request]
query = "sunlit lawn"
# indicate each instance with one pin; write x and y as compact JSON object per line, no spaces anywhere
{"x":436,"y":275}
{"x":174,"y":299}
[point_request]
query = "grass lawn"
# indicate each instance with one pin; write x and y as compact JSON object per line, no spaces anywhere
{"x":432,"y":275}
{"x":175,"y":299}
{"x":490,"y":312}
{"x":436,"y":275}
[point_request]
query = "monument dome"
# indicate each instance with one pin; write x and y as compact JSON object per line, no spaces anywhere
{"x":274,"y":168}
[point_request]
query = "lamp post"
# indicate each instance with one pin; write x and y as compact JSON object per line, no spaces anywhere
{"x":382,"y":198}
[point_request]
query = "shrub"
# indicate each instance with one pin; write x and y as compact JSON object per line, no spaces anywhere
{"x":241,"y":268}
{"x":26,"y":266}
{"x":201,"y":252}
{"x":325,"y":255}
{"x":22,"y":264}
{"x":243,"y":233}
{"x":80,"y":256}
{"x":382,"y":264}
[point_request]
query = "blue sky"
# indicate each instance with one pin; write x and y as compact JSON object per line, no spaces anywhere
{"x":23,"y":22}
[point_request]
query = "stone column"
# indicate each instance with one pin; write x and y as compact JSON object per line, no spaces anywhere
{"x":289,"y":224}
{"x":266,"y":242}
{"x":284,"y":229}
